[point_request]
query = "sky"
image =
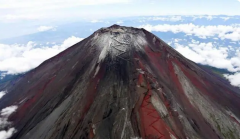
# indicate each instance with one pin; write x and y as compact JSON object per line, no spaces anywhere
{"x":19,"y":17}
{"x":32,"y":31}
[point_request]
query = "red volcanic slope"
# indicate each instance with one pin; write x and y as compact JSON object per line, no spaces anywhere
{"x":122,"y":83}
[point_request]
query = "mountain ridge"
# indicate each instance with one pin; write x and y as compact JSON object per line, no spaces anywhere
{"x":122,"y":82}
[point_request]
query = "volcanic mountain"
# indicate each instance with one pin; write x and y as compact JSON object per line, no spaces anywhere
{"x":121,"y":83}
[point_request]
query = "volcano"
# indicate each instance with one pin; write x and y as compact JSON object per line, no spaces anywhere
{"x":121,"y":83}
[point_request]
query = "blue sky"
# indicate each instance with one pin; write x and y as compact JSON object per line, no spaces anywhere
{"x":22,"y":17}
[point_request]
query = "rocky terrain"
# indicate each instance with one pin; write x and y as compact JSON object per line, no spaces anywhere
{"x":121,"y":83}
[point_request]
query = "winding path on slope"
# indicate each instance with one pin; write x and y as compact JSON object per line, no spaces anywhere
{"x":151,"y":118}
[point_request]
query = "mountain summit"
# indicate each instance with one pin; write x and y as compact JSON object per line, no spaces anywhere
{"x":122,"y":83}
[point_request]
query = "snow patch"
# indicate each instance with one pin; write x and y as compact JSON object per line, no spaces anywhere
{"x":97,"y":69}
{"x":172,"y":136}
{"x":159,"y":105}
{"x":120,"y":39}
{"x":104,"y":52}
{"x":140,"y":71}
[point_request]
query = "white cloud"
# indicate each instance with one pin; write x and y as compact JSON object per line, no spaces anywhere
{"x":96,"y":21}
{"x":233,"y":42}
{"x":231,"y":32}
{"x":209,"y":54}
{"x":225,"y":18}
{"x":4,"y":122}
{"x":8,"y":110}
{"x":189,"y":53}
{"x":7,"y":134}
{"x":2,"y":93}
{"x":21,"y":58}
{"x":234,"y":79}
{"x":168,"y":18}
{"x":5,"y":113}
{"x":208,"y":17}
{"x":45,"y":28}
{"x":119,"y":22}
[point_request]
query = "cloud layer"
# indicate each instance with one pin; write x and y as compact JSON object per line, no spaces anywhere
{"x":45,"y":28}
{"x":231,"y":32}
{"x":7,"y":134}
{"x":21,"y":58}
{"x":8,"y":111}
{"x":234,"y":79}
{"x":170,"y":18}
{"x":4,"y":123}
{"x":210,"y":54}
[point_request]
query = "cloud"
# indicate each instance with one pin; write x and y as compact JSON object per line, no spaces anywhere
{"x":119,"y":22}
{"x":2,"y":93}
{"x":4,"y":114}
{"x":225,"y":18}
{"x":168,"y":18}
{"x":231,"y":32}
{"x":8,"y":110}
{"x":21,"y":58}
{"x":234,"y":79}
{"x":96,"y":21}
{"x":209,"y":54}
{"x":7,"y":134}
{"x":2,"y":75}
{"x":208,"y":17}
{"x":45,"y":28}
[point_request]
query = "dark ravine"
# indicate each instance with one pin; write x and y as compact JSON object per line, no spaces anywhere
{"x":122,"y":83}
